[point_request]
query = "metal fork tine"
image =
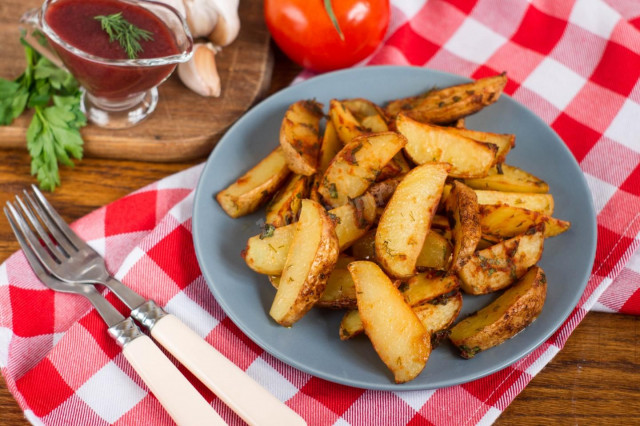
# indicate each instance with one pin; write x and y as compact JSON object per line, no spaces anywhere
{"x":60,"y":223}
{"x":40,"y":252}
{"x":49,"y":225}
{"x":26,"y":248}
{"x":42,"y":233}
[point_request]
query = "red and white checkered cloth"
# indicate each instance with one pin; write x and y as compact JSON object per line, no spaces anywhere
{"x":575,"y":63}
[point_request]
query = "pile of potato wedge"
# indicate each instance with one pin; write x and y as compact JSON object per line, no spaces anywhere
{"x":392,"y":212}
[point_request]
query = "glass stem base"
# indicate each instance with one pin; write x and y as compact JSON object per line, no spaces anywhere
{"x":119,"y":114}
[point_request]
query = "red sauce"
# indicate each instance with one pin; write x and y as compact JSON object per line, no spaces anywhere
{"x":73,"y":21}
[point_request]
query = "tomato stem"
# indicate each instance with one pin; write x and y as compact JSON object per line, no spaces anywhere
{"x":332,"y":16}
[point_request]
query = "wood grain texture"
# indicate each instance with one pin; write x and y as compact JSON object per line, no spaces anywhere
{"x":594,"y":380}
{"x":184,"y":125}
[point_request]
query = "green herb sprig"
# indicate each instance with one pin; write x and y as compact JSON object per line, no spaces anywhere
{"x":124,"y":32}
{"x":53,"y":135}
{"x":334,"y":20}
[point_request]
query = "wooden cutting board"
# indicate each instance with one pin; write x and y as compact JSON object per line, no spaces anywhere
{"x":184,"y":125}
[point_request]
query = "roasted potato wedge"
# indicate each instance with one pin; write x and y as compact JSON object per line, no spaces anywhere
{"x":451,"y":103}
{"x":383,"y":190}
{"x":429,"y":143}
{"x":300,"y":136}
{"x":368,"y":114}
{"x":340,"y":292}
{"x":266,"y":253}
{"x":284,"y":207}
{"x":440,"y":221}
{"x":435,"y":314}
{"x":312,"y":256}
{"x":435,"y":253}
{"x":437,"y":317}
{"x":509,"y":179}
{"x":427,"y":287}
{"x":346,"y":125}
{"x":255,"y":187}
{"x":357,"y":117}
{"x":502,"y":264}
{"x":406,"y":220}
{"x":542,"y":203}
{"x":351,"y":325}
{"x":395,"y":331}
{"x":330,"y":146}
{"x":364,"y":247}
{"x":355,"y":219}
{"x":398,"y":166}
{"x":504,"y":142}
{"x":502,"y":221}
{"x":462,"y":212}
{"x":505,"y":317}
{"x":357,"y":166}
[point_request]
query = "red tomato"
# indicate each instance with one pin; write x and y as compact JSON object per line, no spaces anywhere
{"x":305,"y":32}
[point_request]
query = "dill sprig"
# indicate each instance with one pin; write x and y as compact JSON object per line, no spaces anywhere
{"x":124,"y":32}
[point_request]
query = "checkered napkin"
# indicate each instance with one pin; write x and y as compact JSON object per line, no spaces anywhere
{"x":574,"y":63}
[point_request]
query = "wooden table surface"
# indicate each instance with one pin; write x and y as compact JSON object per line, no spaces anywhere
{"x":595,"y":379}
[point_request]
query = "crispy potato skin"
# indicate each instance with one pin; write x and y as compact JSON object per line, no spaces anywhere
{"x":462,"y":211}
{"x":502,"y":264}
{"x":449,"y":104}
{"x":509,"y":314}
{"x":300,"y":136}
{"x":315,"y":279}
{"x":255,"y":187}
{"x":383,"y":190}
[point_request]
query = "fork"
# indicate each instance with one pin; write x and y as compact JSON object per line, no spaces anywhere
{"x":72,"y":259}
{"x":181,"y":400}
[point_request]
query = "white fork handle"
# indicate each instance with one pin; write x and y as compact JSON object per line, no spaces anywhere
{"x":181,"y":400}
{"x":229,"y":382}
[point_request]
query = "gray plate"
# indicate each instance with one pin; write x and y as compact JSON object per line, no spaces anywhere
{"x":312,"y":345}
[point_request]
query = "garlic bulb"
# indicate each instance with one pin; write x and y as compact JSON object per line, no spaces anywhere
{"x":228,"y":26}
{"x":202,"y":17}
{"x":200,"y":73}
{"x":177,"y":5}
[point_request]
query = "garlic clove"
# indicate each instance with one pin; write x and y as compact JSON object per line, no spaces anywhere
{"x":228,"y":25}
{"x":200,"y":73}
{"x":202,"y":17}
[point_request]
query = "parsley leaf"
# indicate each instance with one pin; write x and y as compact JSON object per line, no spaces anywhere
{"x":53,"y":135}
